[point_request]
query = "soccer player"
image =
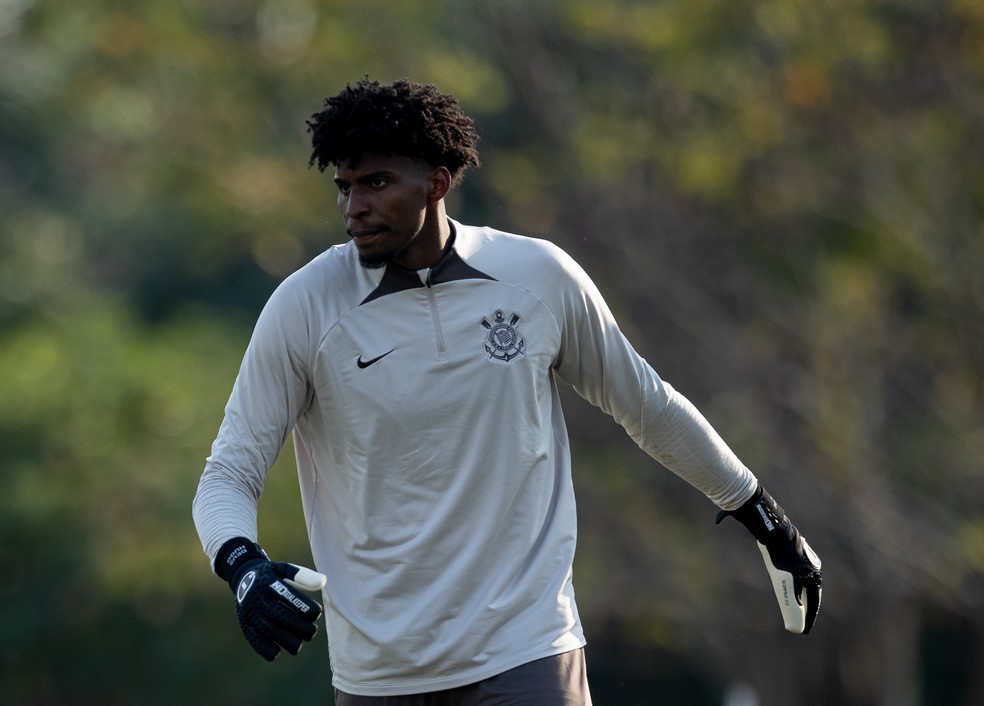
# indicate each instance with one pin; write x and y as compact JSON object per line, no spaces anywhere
{"x":417,"y":368}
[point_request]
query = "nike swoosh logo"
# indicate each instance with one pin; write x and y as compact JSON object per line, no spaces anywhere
{"x":366,"y":363}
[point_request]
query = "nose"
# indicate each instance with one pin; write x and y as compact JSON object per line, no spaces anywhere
{"x":354,"y":204}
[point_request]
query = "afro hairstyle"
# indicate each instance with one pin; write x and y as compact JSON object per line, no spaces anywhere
{"x":403,"y":118}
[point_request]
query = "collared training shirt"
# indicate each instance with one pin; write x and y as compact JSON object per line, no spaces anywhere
{"x":432,"y":452}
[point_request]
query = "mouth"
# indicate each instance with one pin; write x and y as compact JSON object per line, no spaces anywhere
{"x":371,"y":244}
{"x":366,"y":234}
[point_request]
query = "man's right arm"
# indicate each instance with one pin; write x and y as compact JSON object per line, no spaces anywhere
{"x":223,"y":508}
{"x":270,"y":392}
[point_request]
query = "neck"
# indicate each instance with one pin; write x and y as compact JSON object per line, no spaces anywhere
{"x":438,"y":216}
{"x":431,"y":243}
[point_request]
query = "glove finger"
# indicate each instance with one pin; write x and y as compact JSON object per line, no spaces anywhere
{"x":301,"y":577}
{"x":813,"y":593}
{"x":286,"y":619}
{"x":264,"y":646}
{"x":281,"y":636}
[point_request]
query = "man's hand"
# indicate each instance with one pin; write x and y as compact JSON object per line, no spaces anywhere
{"x":792,"y":565}
{"x":271,"y":613}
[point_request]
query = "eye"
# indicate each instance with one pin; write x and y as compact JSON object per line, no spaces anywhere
{"x":378,"y":182}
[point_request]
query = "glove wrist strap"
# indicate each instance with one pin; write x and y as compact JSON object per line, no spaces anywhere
{"x":233,"y":555}
{"x":763,"y":517}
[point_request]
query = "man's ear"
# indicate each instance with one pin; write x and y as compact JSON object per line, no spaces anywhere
{"x":440,"y":184}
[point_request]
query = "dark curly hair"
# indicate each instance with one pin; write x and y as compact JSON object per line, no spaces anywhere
{"x":403,"y":118}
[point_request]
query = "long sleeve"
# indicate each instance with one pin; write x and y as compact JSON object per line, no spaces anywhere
{"x":604,"y":368}
{"x":270,"y":392}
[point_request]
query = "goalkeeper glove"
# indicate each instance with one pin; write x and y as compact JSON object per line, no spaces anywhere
{"x":792,"y":565}
{"x":271,"y":613}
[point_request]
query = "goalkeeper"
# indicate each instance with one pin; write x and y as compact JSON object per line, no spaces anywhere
{"x":417,"y":369}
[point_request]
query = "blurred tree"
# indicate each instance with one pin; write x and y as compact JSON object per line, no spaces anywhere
{"x":782,"y":202}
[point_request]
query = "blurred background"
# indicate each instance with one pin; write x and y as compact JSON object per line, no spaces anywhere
{"x":782,"y":201}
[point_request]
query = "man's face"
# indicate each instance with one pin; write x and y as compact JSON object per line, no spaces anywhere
{"x":383,"y":200}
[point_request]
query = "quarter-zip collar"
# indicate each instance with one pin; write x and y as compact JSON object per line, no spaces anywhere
{"x":450,"y":267}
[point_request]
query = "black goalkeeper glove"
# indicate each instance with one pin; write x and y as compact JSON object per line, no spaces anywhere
{"x":793,"y":566}
{"x":271,"y":613}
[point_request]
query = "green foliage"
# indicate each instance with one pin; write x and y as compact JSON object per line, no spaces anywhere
{"x":781,"y":200}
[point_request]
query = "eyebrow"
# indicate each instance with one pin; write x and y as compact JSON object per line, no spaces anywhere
{"x":365,"y":178}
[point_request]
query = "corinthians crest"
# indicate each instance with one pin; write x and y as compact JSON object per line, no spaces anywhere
{"x":503,"y":342}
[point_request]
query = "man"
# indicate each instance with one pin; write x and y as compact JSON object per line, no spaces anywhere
{"x":417,"y":368}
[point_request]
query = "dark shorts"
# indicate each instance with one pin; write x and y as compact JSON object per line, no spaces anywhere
{"x":553,"y":681}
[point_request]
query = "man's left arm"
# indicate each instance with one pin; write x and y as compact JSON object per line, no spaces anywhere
{"x":605,"y":369}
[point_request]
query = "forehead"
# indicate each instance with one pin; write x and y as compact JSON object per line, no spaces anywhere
{"x":372,"y":163}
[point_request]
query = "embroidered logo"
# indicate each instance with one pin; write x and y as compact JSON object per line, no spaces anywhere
{"x":503,"y":342}
{"x":366,"y":363}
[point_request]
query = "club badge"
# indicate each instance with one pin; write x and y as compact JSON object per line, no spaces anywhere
{"x":503,"y":341}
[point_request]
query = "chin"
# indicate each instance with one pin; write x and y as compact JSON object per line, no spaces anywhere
{"x":374,"y":262}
